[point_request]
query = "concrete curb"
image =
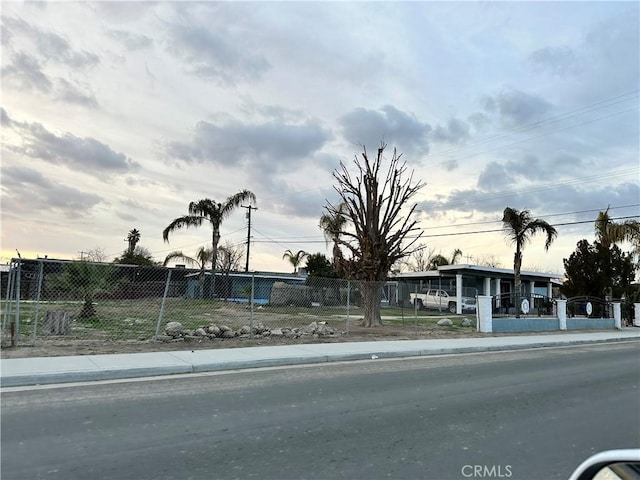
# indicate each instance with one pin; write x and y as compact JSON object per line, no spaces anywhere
{"x":53,"y":370}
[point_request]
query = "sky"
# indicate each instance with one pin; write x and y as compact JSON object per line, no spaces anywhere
{"x":116,"y":115}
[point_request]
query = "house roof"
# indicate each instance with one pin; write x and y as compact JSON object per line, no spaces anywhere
{"x":479,"y":271}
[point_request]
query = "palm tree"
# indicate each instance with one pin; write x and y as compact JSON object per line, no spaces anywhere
{"x":610,"y":233}
{"x":133,"y":238}
{"x":439,"y":260}
{"x":202,"y":257}
{"x":295,"y":259}
{"x":214,"y":213}
{"x":519,"y":227}
{"x":332,"y":224}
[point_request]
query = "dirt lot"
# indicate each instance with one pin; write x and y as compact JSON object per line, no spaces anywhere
{"x":61,"y":347}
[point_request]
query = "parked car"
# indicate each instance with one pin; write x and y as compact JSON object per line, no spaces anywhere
{"x":441,"y":300}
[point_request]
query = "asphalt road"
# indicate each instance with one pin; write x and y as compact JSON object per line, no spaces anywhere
{"x":532,"y":414}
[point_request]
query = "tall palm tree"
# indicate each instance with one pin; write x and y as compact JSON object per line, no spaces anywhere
{"x":214,"y":213}
{"x":295,"y":259}
{"x":519,"y":227}
{"x":332,"y":224}
{"x":202,"y":257}
{"x":610,"y":233}
{"x":132,"y":239}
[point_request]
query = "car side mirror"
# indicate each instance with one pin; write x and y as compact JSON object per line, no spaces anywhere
{"x":610,"y":465}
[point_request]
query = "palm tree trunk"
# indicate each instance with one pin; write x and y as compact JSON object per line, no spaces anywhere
{"x":214,"y":258}
{"x":517,"y":265}
{"x":371,"y":297}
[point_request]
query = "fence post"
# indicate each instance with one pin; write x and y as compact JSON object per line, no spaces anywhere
{"x":164,"y":299}
{"x":485,"y":319}
{"x":636,"y":317}
{"x":415,"y":308}
{"x":348,"y":304}
{"x":617,"y":315}
{"x":562,"y":313}
{"x":16,"y":332}
{"x":8,"y":303}
{"x":253,"y":285}
{"x":38,"y":292}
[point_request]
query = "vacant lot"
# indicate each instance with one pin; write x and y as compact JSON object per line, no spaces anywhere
{"x":130,"y":326}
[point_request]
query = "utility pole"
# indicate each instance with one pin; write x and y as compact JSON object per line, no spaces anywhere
{"x":249,"y":208}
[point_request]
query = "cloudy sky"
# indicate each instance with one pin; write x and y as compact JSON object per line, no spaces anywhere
{"x":116,"y":115}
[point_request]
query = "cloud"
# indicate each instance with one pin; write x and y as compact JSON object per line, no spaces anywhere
{"x":516,"y":108}
{"x":215,"y":54}
{"x":131,"y":41}
{"x":479,"y":121}
{"x":27,"y":72}
{"x":456,"y":132}
{"x":556,"y":60}
{"x":86,"y":155}
{"x":388,"y":124}
{"x":262,"y":148}
{"x":70,"y":93}
{"x":32,"y":192}
{"x":51,"y":46}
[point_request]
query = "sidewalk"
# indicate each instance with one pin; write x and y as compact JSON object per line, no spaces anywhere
{"x":47,"y":370}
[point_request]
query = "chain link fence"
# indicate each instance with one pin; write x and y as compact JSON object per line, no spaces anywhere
{"x":59,"y":301}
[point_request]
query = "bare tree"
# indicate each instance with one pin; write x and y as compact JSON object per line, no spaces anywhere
{"x":488,"y":260}
{"x":230,"y":258}
{"x":376,"y":231}
{"x":418,"y":261}
{"x":96,"y":254}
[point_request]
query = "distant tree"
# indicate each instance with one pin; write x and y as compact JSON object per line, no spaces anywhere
{"x":439,"y":260}
{"x":209,"y":211}
{"x":230,"y":258}
{"x":84,"y":280}
{"x":609,"y":232}
{"x":417,"y":261}
{"x":140,"y":256}
{"x":488,"y":260}
{"x":202,"y":257}
{"x":318,"y":265}
{"x":377,"y":232}
{"x":132,"y":239}
{"x":597,"y":270}
{"x":332,"y":223}
{"x":519,"y":228}
{"x":96,"y":254}
{"x":295,"y":259}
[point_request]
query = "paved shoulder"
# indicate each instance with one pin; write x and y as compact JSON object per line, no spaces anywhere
{"x":47,"y":370}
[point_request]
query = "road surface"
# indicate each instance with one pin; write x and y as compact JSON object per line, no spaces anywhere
{"x":522,"y":415}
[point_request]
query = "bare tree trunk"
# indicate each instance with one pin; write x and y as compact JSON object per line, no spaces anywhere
{"x":371,"y":297}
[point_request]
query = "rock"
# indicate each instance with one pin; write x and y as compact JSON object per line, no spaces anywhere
{"x":224,"y":328}
{"x":173,"y":329}
{"x":277,"y":332}
{"x":466,"y":322}
{"x":200,"y":332}
{"x":214,"y":330}
{"x":227,"y":333}
{"x":445,"y":322}
{"x":260,"y":328}
{"x":245,"y":330}
{"x":311,"y":328}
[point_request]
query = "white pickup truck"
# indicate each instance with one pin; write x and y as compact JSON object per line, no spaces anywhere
{"x":441,"y":300}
